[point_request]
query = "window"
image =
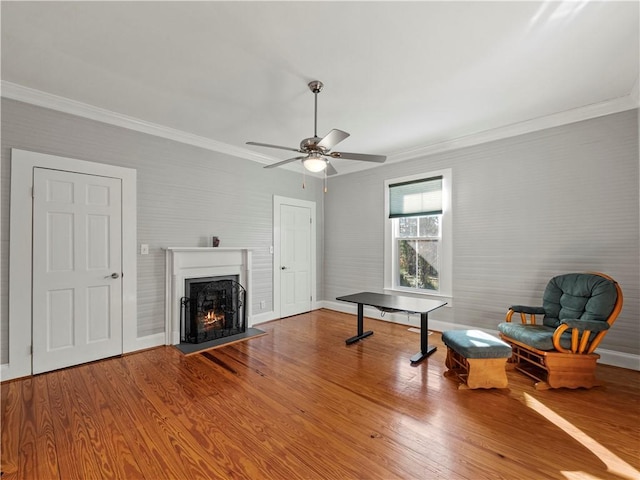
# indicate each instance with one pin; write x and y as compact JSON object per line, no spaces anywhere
{"x":418,"y":234}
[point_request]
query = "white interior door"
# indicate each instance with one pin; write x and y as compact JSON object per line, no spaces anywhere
{"x":77,"y":268}
{"x":295,"y":260}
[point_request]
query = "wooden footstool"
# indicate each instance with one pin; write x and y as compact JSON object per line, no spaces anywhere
{"x":477,"y":358}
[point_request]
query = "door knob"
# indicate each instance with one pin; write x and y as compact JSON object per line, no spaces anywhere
{"x":283,"y":268}
{"x":113,"y":275}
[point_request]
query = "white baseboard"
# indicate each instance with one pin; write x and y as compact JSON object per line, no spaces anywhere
{"x":262,"y":318}
{"x":8,"y":373}
{"x":619,"y":359}
{"x":607,"y":357}
{"x":141,"y":343}
{"x":149,"y":341}
{"x":412,"y":320}
{"x":272,"y":315}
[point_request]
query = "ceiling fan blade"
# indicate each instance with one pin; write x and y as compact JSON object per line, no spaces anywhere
{"x":274,"y":146}
{"x":332,"y":138}
{"x":359,"y":156}
{"x":331,"y":170}
{"x":283,"y":162}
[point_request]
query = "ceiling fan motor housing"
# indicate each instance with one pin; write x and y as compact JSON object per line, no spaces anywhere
{"x":311,"y":145}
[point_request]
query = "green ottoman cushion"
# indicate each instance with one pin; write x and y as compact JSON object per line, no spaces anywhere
{"x":476,"y":344}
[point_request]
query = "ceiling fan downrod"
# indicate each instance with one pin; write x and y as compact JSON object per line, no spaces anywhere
{"x":316,"y":87}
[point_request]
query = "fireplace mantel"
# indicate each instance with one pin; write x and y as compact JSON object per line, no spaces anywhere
{"x":195,"y":262}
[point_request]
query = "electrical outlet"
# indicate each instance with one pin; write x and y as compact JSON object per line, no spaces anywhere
{"x":144,"y":249}
{"x":263,"y":305}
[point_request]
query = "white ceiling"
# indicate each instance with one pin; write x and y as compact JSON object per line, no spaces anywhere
{"x":401,"y":77}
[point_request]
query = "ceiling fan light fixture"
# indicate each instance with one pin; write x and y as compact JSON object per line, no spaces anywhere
{"x":314,"y":163}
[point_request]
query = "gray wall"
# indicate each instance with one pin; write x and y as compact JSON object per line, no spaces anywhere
{"x":185,"y":195}
{"x":524,"y":209}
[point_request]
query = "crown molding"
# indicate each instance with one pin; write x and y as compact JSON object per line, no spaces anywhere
{"x":616,"y":105}
{"x":39,"y":98}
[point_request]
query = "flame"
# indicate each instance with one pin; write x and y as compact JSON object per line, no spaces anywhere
{"x":213,"y":319}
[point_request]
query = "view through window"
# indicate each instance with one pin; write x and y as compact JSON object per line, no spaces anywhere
{"x":418,"y":251}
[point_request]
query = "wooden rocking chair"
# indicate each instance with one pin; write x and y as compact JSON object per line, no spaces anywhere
{"x":578,"y":310}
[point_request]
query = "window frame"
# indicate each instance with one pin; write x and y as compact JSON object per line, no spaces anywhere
{"x":445,"y":273}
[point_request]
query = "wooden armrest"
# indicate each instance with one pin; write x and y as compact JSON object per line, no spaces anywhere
{"x":581,"y":331}
{"x":524,"y":311}
{"x":529,"y":310}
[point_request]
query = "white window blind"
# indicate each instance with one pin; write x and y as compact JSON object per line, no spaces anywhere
{"x":416,"y":198}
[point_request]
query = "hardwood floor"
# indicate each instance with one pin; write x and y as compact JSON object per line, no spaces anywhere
{"x":298,"y":403}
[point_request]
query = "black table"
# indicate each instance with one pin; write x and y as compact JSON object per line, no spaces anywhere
{"x":395,"y":303}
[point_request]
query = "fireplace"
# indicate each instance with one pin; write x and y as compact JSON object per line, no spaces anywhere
{"x":212,"y":308}
{"x":203,"y":264}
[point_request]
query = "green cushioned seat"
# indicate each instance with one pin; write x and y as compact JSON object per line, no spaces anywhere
{"x":537,"y":336}
{"x":476,"y":344}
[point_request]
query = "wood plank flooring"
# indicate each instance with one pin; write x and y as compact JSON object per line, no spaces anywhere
{"x":298,"y":403}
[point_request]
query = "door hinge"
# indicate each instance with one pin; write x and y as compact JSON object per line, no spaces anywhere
{"x":33,"y":192}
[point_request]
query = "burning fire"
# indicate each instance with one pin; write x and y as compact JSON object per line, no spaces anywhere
{"x":213,"y":319}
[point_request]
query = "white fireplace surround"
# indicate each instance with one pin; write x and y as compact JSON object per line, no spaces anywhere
{"x":184,"y":263}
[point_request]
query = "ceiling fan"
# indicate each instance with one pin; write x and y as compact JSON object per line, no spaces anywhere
{"x":317,"y":151}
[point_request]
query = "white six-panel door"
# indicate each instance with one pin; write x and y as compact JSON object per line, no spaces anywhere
{"x":77,"y":268}
{"x":295,"y":259}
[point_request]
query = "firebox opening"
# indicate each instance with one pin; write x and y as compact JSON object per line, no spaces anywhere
{"x":212,"y":308}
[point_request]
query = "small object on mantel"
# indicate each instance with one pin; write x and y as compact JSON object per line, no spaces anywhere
{"x":215,"y":241}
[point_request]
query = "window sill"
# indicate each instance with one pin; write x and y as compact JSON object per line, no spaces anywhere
{"x":413,"y":293}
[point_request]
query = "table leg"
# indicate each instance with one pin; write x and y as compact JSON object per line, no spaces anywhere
{"x":361,"y":334}
{"x":425,"y":348}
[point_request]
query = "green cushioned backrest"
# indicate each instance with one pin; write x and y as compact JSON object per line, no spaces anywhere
{"x":578,"y":295}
